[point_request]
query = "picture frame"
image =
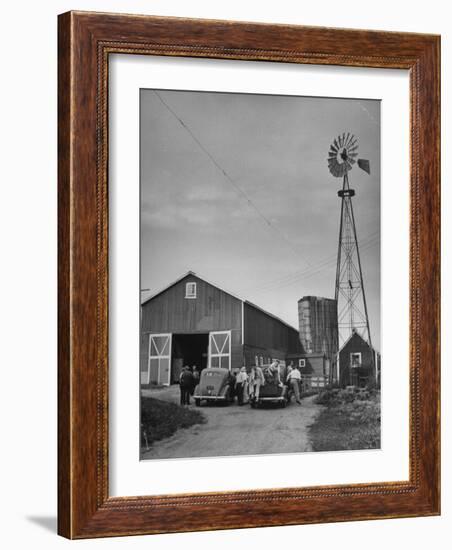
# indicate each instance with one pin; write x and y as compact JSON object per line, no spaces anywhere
{"x":86,"y":40}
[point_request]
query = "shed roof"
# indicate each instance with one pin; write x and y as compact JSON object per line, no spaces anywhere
{"x":353,"y":334}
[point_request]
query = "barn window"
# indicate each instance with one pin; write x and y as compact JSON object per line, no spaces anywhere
{"x":190,"y":290}
{"x":301,"y":363}
{"x":355,"y":360}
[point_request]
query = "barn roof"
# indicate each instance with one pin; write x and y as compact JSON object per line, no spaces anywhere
{"x":193,"y":274}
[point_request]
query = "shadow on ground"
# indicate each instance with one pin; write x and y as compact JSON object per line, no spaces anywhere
{"x":49,"y":523}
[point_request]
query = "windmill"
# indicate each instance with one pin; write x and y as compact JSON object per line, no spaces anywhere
{"x":349,"y":294}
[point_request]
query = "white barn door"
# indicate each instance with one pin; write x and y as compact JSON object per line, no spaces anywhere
{"x":220,"y":349}
{"x":159,"y":365}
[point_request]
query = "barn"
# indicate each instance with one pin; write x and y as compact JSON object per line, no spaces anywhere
{"x":357,"y":361}
{"x":194,"y":322}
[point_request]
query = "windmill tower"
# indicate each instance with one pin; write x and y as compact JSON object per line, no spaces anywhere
{"x":350,"y":294}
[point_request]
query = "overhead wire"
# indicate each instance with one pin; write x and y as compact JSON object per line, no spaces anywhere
{"x":286,"y":280}
{"x":237,"y":188}
{"x":292,"y":278}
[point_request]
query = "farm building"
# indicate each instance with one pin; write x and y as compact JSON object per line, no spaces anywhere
{"x":194,"y":322}
{"x":357,"y":361}
{"x":311,"y":364}
{"x":317,"y":321}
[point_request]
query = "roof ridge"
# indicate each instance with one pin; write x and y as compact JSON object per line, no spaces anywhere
{"x":244,"y":300}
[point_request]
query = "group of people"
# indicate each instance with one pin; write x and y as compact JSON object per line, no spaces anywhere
{"x":273,"y":374}
{"x":188,"y":380}
{"x":244,"y":385}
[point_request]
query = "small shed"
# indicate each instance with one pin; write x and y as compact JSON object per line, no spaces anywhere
{"x":314,"y":364}
{"x":359,"y":364}
{"x":195,"y":322}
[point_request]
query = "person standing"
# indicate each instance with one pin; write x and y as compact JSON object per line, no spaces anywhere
{"x":274,"y":370}
{"x":256,"y":381}
{"x":294,"y":380}
{"x":240,"y":383}
{"x":195,"y":373}
{"x":232,"y":385}
{"x":185,"y":383}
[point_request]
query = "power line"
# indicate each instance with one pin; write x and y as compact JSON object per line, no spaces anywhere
{"x":303,"y":276}
{"x":288,"y":280}
{"x":239,"y":190}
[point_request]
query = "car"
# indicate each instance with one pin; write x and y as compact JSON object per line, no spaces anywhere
{"x":271,"y":392}
{"x":215,"y":385}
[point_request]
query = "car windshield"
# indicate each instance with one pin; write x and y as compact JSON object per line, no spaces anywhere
{"x":216,"y":374}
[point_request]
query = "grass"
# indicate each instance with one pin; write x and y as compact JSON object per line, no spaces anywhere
{"x":160,"y":419}
{"x":350,"y":421}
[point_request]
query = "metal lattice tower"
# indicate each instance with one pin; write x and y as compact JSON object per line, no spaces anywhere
{"x":349,"y":292}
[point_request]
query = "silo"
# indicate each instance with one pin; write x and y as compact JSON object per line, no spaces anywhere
{"x":317,"y":321}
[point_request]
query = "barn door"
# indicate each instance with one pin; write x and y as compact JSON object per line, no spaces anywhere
{"x":160,"y":358}
{"x":220,"y":349}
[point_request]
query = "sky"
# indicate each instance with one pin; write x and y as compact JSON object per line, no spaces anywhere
{"x":236,"y":188}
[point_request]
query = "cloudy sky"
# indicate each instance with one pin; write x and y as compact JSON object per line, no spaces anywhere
{"x":236,"y":188}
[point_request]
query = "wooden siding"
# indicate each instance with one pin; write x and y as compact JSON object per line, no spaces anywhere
{"x":212,"y":310}
{"x":266,"y":335}
{"x":314,"y":364}
{"x":250,"y":353}
{"x":356,"y":344}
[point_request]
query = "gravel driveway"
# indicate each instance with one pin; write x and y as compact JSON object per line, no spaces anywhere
{"x":233,"y":430}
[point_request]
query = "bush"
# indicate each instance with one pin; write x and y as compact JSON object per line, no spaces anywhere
{"x":161,"y":419}
{"x":350,"y":420}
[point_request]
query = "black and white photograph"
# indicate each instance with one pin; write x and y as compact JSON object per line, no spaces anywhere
{"x":259,"y":274}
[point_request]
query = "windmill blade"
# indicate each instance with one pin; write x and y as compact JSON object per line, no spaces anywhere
{"x":346,"y":144}
{"x":364,"y":165}
{"x":334,"y":167}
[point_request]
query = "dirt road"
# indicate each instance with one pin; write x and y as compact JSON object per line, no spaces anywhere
{"x":233,"y":430}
